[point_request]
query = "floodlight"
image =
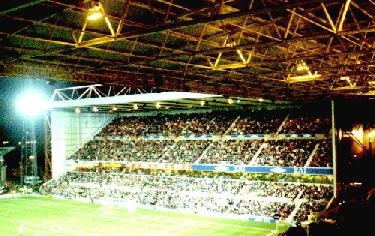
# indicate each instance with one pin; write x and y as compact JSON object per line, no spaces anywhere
{"x":302,"y":66}
{"x":230,"y":101}
{"x":94,"y":13}
{"x":135,"y":106}
{"x":77,"y":110}
{"x":31,"y":104}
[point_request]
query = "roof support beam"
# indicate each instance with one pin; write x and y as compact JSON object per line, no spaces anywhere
{"x":23,"y":6}
{"x":166,"y":27}
{"x":346,"y":7}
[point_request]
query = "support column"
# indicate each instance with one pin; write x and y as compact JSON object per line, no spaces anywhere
{"x":47,"y":148}
{"x":334,"y":148}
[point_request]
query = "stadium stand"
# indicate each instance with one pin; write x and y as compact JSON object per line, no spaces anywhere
{"x":217,"y":138}
{"x":231,"y":196}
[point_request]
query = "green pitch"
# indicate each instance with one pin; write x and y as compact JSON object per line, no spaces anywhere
{"x":46,"y":216}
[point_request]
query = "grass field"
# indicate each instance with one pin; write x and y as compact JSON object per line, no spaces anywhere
{"x":46,"y":216}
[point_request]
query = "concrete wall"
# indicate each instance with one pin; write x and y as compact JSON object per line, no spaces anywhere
{"x":70,"y":131}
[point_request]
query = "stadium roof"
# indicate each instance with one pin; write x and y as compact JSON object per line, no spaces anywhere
{"x":274,"y":49}
{"x":101,"y":98}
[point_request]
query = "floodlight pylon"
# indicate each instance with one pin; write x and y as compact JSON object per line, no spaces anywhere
{"x":29,"y":160}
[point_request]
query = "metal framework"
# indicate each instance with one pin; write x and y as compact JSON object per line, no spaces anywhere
{"x":232,"y":47}
{"x":110,"y":98}
{"x":93,"y":91}
{"x":29,"y":167}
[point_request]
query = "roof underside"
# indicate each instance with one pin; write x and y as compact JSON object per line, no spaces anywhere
{"x":276,"y":49}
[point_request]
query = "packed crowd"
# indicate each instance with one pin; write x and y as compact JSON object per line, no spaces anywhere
{"x":238,"y":152}
{"x":161,"y":151}
{"x":257,"y":123}
{"x":323,"y":156}
{"x":306,"y":125}
{"x":214,"y":123}
{"x":169,"y":125}
{"x":220,"y":195}
{"x":317,"y":199}
{"x":285,"y":153}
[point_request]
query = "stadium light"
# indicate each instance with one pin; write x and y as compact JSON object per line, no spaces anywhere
{"x":31,"y":104}
{"x":94,"y":12}
{"x":302,"y":66}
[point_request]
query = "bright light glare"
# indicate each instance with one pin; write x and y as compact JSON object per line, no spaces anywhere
{"x":302,"y":67}
{"x":94,"y":14}
{"x":31,"y":104}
